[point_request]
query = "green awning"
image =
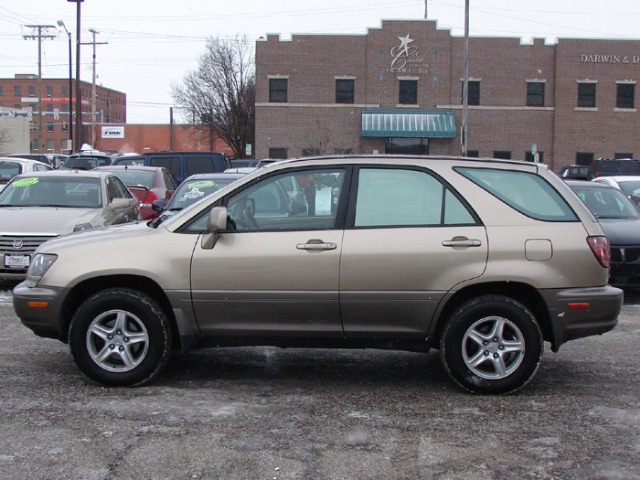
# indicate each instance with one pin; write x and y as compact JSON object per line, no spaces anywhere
{"x":412,"y":123}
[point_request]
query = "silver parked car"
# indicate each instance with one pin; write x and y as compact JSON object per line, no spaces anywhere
{"x":482,"y":259}
{"x":39,"y":206}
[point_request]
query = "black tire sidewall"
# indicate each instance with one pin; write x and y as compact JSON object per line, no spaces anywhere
{"x":460,"y":322}
{"x":149,"y":313}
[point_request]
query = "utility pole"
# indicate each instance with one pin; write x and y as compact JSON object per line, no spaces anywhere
{"x":40,"y":36}
{"x":465,"y":83}
{"x":93,"y":86}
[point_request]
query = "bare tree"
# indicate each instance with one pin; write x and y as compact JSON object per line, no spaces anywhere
{"x":219,"y":96}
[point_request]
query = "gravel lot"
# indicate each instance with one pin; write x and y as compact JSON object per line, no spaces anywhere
{"x":267,"y":413}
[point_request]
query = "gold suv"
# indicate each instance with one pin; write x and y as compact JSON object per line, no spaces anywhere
{"x":482,"y":259}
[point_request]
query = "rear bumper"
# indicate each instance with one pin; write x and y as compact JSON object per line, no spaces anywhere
{"x":582,"y":312}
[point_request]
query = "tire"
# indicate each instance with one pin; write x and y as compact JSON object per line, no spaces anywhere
{"x":491,"y":344}
{"x":120,"y":337}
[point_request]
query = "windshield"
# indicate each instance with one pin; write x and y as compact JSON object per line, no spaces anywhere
{"x":136,"y":177}
{"x":190,"y":192}
{"x":607,"y":203}
{"x":75,"y":192}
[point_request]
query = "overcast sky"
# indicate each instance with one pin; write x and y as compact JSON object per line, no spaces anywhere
{"x":152,"y":44}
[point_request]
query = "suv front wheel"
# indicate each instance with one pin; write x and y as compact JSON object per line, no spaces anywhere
{"x":120,"y":337}
{"x":491,"y":344}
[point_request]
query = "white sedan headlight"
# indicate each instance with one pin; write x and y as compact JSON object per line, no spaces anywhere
{"x":38,"y":267}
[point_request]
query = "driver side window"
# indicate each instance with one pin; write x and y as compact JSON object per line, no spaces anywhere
{"x":302,"y":200}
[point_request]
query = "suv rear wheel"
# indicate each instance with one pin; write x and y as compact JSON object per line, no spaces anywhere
{"x":120,"y":337}
{"x":491,"y":344}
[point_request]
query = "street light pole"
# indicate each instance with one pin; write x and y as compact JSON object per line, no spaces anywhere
{"x":78,"y":135}
{"x":61,"y":24}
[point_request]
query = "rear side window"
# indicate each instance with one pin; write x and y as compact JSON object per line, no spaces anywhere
{"x":632,"y":166}
{"x":171,"y":163}
{"x":199,"y":165}
{"x":402,"y":197}
{"x":525,"y":192}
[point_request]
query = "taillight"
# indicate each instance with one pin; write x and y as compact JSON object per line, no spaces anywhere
{"x":601,"y":249}
{"x":148,"y":199}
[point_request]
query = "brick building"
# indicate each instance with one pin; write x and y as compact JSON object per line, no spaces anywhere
{"x":398,"y":89}
{"x":21,"y":93}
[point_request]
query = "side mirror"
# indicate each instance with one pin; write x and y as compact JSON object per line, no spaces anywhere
{"x":159,"y":205}
{"x":216,"y":223}
{"x":120,"y":203}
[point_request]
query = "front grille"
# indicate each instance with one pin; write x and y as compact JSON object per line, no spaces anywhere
{"x":625,"y":255}
{"x":29,"y":245}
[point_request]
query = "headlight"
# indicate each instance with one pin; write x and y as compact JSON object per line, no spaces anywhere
{"x":82,"y":227}
{"x":38,"y":267}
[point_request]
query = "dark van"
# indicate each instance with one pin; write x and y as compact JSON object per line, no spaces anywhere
{"x":181,"y":164}
{"x":608,"y":167}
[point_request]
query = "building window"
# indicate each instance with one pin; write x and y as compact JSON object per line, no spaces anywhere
{"x":587,"y":95}
{"x":624,"y":97}
{"x":343,"y":151}
{"x":502,"y":154}
{"x":64,"y":90}
{"x":623,"y":155}
{"x":32,"y":90}
{"x":345,"y":90}
{"x":17,"y":90}
{"x":278,"y":152}
{"x":408,"y":92}
{"x":473,"y":153}
{"x":64,"y":107}
{"x":65,"y":127}
{"x":407,"y":146}
{"x":310,"y":152}
{"x":278,"y":90}
{"x":473,"y":92}
{"x":529,"y":157}
{"x":535,"y":94}
{"x":49,"y":90}
{"x":584,"y":158}
{"x":51,"y":144}
{"x":1,"y":90}
{"x":50,"y":127}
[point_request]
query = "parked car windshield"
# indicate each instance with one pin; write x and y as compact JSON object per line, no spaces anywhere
{"x":607,"y":202}
{"x":136,"y":177}
{"x":77,"y":192}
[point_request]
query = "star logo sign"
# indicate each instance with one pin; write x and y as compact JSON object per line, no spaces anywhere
{"x":404,"y":44}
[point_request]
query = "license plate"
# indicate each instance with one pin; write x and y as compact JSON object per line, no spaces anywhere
{"x":16,"y":261}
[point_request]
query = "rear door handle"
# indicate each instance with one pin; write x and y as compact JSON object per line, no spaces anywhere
{"x":462,"y":242}
{"x":315,"y":244}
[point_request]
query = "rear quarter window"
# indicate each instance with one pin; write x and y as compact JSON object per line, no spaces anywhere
{"x":525,"y":192}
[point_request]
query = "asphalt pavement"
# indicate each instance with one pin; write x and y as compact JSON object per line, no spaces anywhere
{"x":269,"y":413}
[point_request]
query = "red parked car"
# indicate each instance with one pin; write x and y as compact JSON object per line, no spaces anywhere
{"x":146,"y":183}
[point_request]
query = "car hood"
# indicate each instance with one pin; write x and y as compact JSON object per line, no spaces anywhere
{"x":621,"y":232}
{"x":97,"y":235}
{"x":47,"y":219}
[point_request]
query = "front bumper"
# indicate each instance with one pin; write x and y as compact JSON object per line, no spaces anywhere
{"x":582,"y":312}
{"x":39,"y":309}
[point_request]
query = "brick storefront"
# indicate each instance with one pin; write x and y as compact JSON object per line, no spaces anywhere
{"x":22,"y":92}
{"x":574,"y":100}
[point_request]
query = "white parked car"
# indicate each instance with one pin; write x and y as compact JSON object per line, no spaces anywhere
{"x":628,"y":184}
{"x":12,"y":166}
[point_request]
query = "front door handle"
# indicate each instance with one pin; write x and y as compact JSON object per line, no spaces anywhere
{"x":315,"y":245}
{"x":462,"y":242}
